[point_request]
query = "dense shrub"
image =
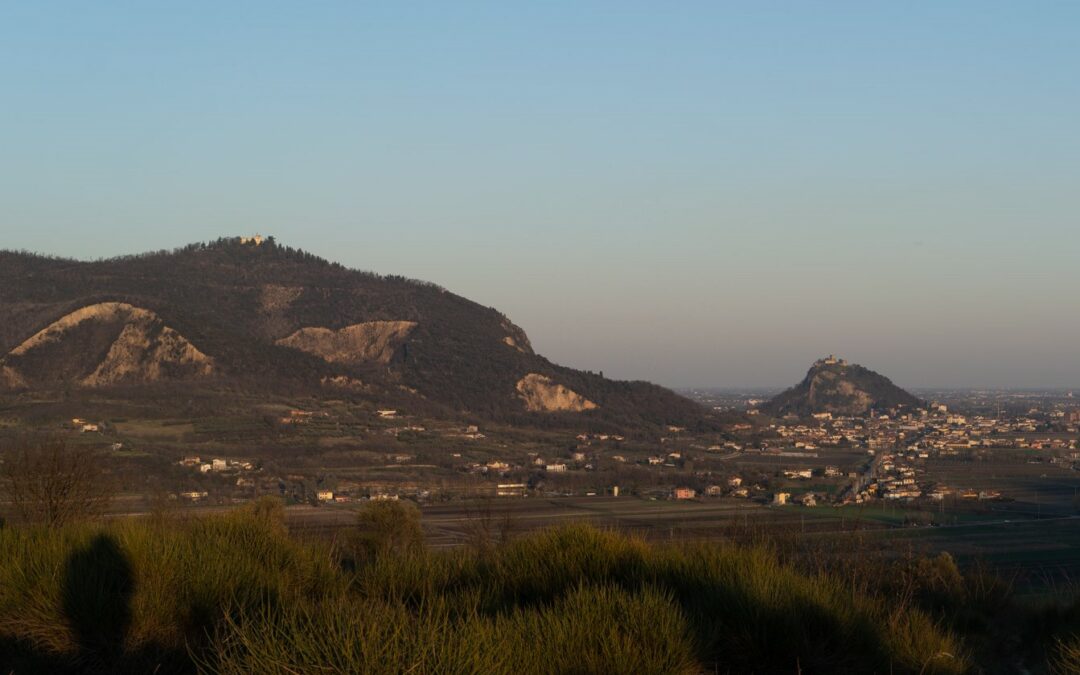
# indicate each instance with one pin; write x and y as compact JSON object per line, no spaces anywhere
{"x":386,"y":528}
{"x":234,"y":594}
{"x":155,"y":588}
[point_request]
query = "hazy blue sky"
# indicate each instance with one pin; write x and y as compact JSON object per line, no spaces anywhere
{"x":696,"y":193}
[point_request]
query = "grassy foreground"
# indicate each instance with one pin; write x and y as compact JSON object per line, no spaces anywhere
{"x":235,"y":594}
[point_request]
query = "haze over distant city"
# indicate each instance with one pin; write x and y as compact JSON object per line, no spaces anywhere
{"x":715,"y":195}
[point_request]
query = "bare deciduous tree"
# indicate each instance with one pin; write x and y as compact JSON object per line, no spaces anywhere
{"x":51,"y":482}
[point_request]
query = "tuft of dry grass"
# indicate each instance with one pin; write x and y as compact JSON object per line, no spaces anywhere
{"x":234,"y":594}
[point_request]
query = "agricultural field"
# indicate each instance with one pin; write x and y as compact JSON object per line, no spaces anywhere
{"x":1037,"y":554}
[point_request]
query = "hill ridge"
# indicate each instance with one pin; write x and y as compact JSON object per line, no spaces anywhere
{"x":238,"y":301}
{"x":833,"y":385}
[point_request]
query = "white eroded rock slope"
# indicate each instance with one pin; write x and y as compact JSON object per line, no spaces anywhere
{"x":368,"y":342}
{"x":138,"y":348}
{"x":541,"y":394}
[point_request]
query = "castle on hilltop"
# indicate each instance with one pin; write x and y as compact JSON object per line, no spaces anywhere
{"x":831,"y":361}
{"x":258,"y":239}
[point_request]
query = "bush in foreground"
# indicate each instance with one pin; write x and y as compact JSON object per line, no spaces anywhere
{"x":234,"y":594}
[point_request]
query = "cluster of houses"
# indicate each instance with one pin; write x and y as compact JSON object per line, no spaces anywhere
{"x":499,"y":468}
{"x":946,"y":434}
{"x":896,"y":480}
{"x":897,"y":444}
{"x":671,"y":459}
{"x":935,"y":430}
{"x":223,"y":466}
{"x":588,"y":439}
{"x":781,"y":498}
{"x":731,"y":487}
{"x":901,"y":440}
{"x":84,"y":426}
{"x":296,"y":417}
{"x":327,"y":496}
{"x":471,"y":432}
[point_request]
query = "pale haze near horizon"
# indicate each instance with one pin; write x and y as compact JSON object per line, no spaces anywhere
{"x":704,"y":194}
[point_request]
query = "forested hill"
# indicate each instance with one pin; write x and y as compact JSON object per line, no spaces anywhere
{"x":259,"y":315}
{"x":835,"y":386}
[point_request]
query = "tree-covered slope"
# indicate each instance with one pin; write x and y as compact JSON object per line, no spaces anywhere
{"x":269,"y":316}
{"x":837,"y":387}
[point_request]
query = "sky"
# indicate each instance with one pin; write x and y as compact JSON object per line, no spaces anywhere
{"x":693,"y":193}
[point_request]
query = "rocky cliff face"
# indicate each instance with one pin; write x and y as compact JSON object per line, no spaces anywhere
{"x":837,"y":387}
{"x":104,"y":344}
{"x":368,"y":342}
{"x":541,"y":394}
